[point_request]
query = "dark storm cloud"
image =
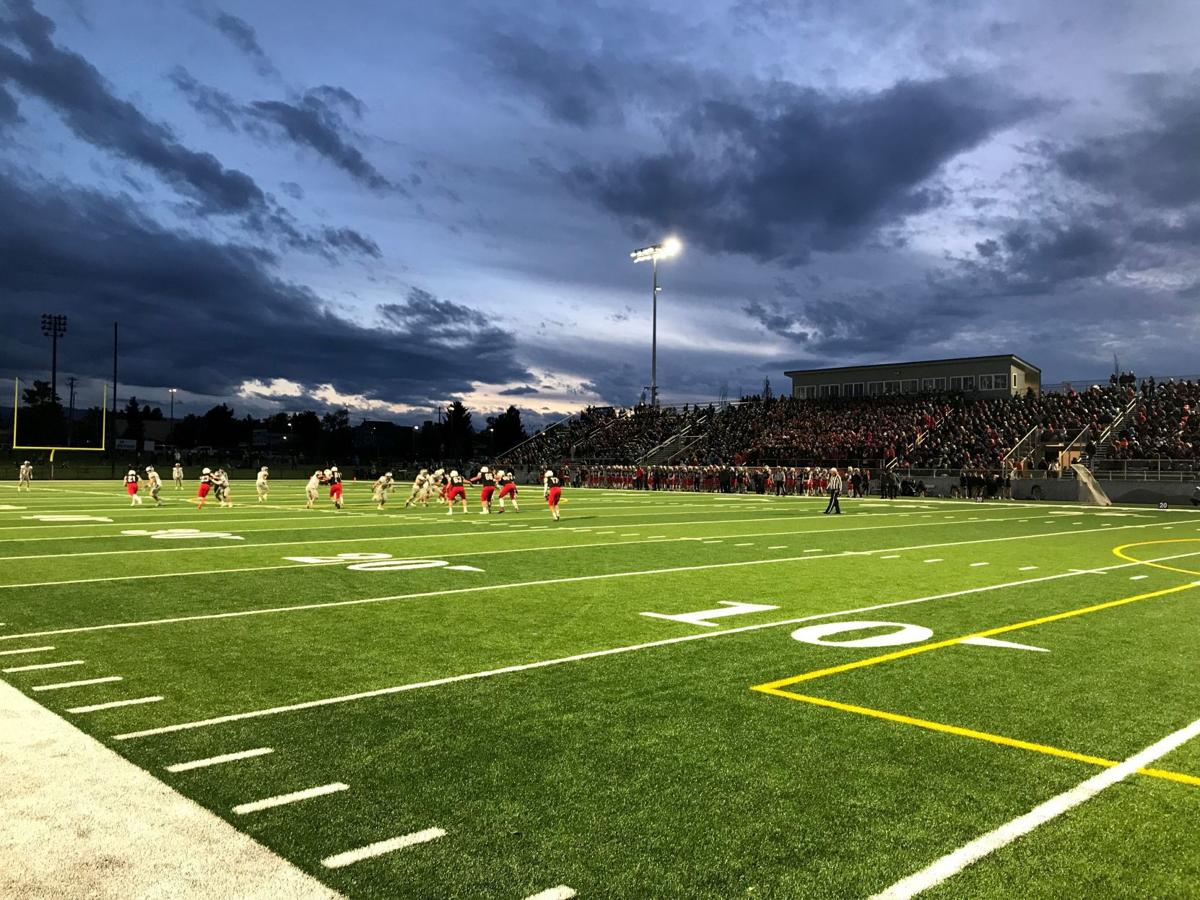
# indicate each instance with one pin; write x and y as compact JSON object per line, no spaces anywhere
{"x":571,"y":87}
{"x":8,"y":108}
{"x":1156,"y":163}
{"x":243,"y":36}
{"x":866,"y":323}
{"x":521,"y":391}
{"x":209,"y":315}
{"x":80,"y":95}
{"x":790,"y":170}
{"x":315,"y":121}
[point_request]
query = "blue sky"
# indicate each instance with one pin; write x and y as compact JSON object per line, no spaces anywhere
{"x":390,"y":205}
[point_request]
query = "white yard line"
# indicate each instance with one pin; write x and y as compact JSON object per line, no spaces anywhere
{"x":113,"y":704}
{"x":200,"y":545}
{"x":379,"y":848}
{"x":86,"y":682}
{"x":77,"y":820}
{"x":25,"y":650}
{"x":976,"y":565}
{"x":562,"y":892}
{"x":1026,"y":568}
{"x":219,"y":760}
{"x":335,"y":604}
{"x":294,"y":797}
{"x":597,"y":654}
{"x":989,"y":843}
{"x":40,"y":666}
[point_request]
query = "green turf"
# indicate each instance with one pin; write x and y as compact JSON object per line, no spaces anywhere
{"x":654,"y":771}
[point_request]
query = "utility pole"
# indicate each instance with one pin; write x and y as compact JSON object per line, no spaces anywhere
{"x":71,"y":411}
{"x":112,"y":457}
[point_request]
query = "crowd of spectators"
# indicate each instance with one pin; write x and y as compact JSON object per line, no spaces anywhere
{"x":1164,"y":425}
{"x":945,"y":431}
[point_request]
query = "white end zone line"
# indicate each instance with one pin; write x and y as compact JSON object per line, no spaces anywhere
{"x":986,"y":844}
{"x":379,"y":848}
{"x":362,"y":601}
{"x":597,"y":654}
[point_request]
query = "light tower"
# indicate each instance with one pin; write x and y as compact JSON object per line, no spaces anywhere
{"x":668,"y":248}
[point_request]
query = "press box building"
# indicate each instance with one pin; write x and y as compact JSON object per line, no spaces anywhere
{"x":989,"y":376}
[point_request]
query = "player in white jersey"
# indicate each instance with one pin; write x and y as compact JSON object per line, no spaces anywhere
{"x":311,"y":489}
{"x":389,"y":483}
{"x":155,"y":485}
{"x":177,"y":476}
{"x":436,"y":487}
{"x":379,"y":491}
{"x":262,"y":484}
{"x":419,"y":492}
{"x":221,"y":485}
{"x":25,"y":476}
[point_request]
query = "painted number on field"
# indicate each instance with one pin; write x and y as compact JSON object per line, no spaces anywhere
{"x":181,"y":534}
{"x":380,"y":562}
{"x":898,"y":633}
{"x":66,"y":518}
{"x":702,"y":617}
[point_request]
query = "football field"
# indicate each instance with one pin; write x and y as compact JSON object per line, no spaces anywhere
{"x":662,"y":695}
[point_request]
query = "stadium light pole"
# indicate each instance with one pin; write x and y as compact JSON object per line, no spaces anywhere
{"x":54,"y":327}
{"x":668,"y":248}
{"x":172,"y":392}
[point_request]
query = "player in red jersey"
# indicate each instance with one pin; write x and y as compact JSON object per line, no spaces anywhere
{"x":205,"y":487}
{"x":131,"y":488}
{"x":456,"y":489}
{"x":487,"y":488}
{"x":552,"y":491}
{"x":508,"y":488}
{"x":334,"y":478}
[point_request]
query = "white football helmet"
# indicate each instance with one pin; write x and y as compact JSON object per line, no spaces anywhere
{"x":549,"y":474}
{"x":206,"y":471}
{"x":454,"y":473}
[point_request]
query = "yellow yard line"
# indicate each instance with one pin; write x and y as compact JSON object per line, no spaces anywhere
{"x":977,"y":735}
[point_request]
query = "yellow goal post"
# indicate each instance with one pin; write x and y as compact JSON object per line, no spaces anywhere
{"x":56,"y":449}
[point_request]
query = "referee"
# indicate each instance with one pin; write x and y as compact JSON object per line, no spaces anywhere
{"x":835,"y":488}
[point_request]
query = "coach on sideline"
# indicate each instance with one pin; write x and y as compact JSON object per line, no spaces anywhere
{"x":835,"y":488}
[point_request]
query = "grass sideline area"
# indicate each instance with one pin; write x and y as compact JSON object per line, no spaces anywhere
{"x":662,"y":695}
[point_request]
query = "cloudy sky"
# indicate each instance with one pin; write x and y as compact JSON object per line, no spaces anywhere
{"x":386,"y":205}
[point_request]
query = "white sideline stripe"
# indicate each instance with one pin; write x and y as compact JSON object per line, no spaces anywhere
{"x":596,"y":654}
{"x":25,"y":650}
{"x":379,"y":848}
{"x":63,"y":685}
{"x":53,"y":665}
{"x":113,"y":704}
{"x":333,"y":604}
{"x":562,"y":892}
{"x":294,"y":797}
{"x":986,"y":844}
{"x":218,"y":760}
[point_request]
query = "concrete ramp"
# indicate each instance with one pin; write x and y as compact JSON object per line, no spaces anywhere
{"x":1090,"y":491}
